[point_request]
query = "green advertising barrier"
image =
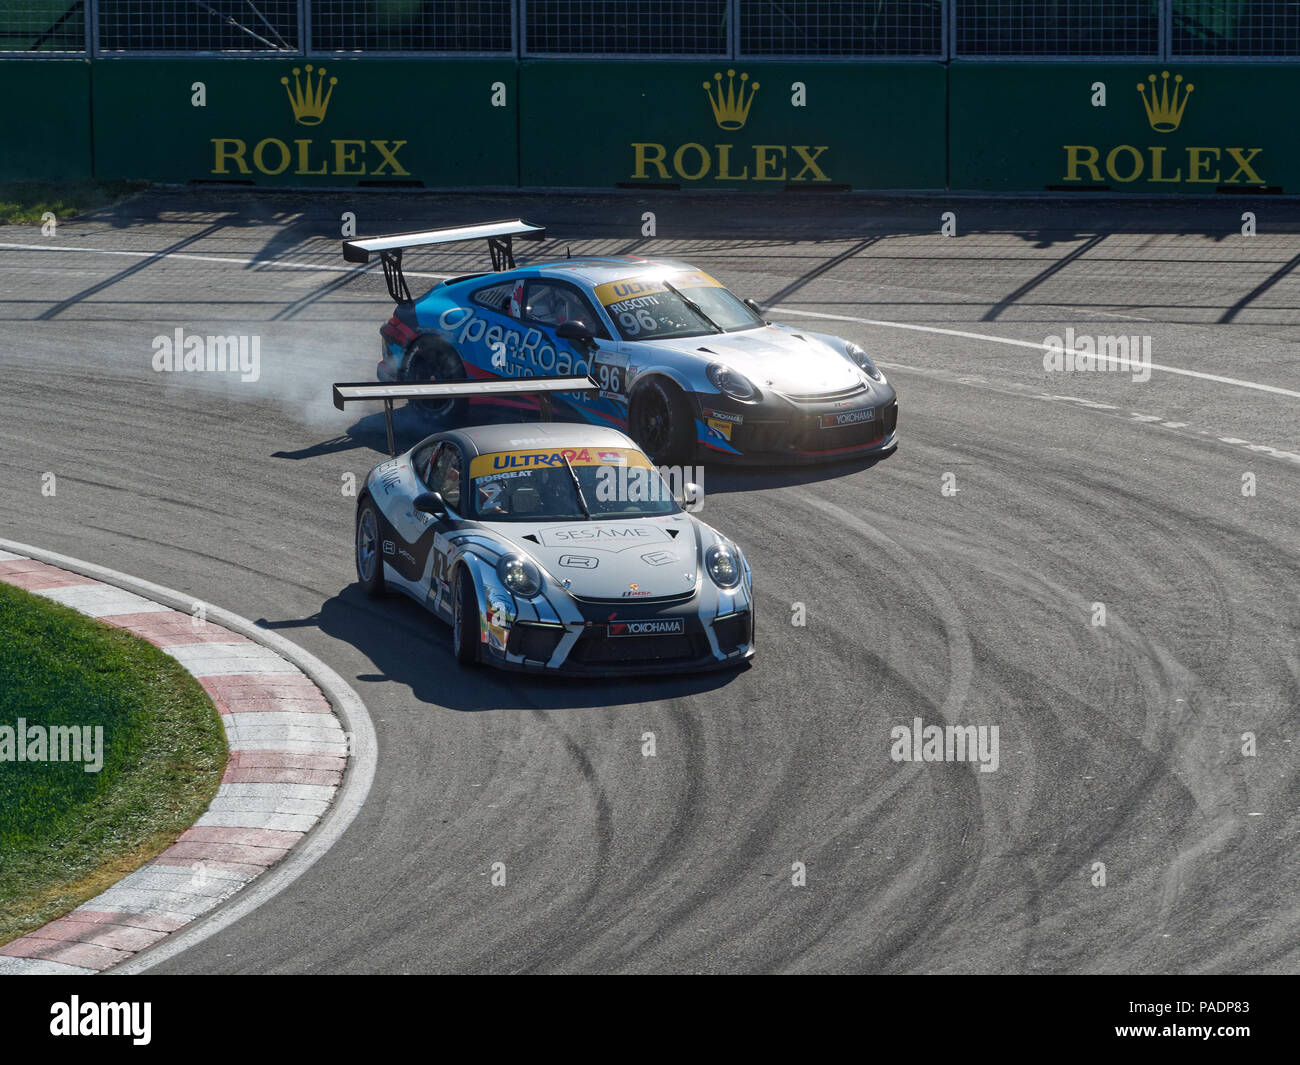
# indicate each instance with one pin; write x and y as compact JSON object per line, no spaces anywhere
{"x":45,"y":121}
{"x":721,"y":124}
{"x":325,"y":122}
{"x":1129,"y":127}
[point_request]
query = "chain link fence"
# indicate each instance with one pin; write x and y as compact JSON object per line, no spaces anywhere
{"x":1045,"y":29}
{"x":43,"y":26}
{"x":656,"y":29}
{"x":841,"y":28}
{"x":190,"y":26}
{"x":1245,"y":30}
{"x":462,"y":27}
{"x":650,"y":28}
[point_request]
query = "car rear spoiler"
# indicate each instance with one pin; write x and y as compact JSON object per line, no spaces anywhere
{"x":542,"y":387}
{"x":499,"y":236}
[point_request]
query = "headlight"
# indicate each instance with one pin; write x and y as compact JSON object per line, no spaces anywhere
{"x":723,"y":564}
{"x":863,"y":362}
{"x":730,"y":383}
{"x":520,"y":576}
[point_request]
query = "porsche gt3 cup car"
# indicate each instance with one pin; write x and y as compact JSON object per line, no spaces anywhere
{"x":684,"y":365}
{"x":553,"y":547}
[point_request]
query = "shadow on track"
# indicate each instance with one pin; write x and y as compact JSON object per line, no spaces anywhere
{"x":724,"y":479}
{"x":411,"y":426}
{"x":369,"y":433}
{"x":409,"y":646}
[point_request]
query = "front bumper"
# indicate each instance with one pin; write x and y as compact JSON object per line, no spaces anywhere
{"x":785,"y":431}
{"x":591,"y":647}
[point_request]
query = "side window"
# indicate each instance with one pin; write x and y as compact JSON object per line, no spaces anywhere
{"x":551,"y":304}
{"x":445,"y":477}
{"x":494,"y":297}
{"x":422,"y":462}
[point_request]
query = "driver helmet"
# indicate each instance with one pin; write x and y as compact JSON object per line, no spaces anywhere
{"x":555,"y":487}
{"x":567,"y":308}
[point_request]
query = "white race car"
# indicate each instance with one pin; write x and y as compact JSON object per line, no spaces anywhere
{"x":554,"y":547}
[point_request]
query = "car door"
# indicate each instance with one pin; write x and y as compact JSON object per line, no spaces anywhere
{"x":549,"y":303}
{"x":417,"y":549}
{"x":445,"y":474}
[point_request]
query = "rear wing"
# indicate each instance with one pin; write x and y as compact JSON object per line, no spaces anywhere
{"x":542,"y":387}
{"x":499,"y":236}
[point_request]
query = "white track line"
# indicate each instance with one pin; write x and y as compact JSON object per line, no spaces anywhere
{"x":989,"y":338}
{"x":986,"y":337}
{"x":347,"y":802}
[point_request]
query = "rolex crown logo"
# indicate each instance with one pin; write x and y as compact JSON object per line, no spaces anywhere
{"x":1165,"y":108}
{"x":730,"y":108}
{"x":307,"y":100}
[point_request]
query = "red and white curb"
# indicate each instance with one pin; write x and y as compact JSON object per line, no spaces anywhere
{"x":288,"y":756}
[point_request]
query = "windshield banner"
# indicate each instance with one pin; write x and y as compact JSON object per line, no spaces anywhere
{"x":518,"y":461}
{"x":614,"y":292}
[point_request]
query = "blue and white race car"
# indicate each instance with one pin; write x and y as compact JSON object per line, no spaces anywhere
{"x":684,"y":366}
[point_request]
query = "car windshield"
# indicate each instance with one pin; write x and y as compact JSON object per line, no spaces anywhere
{"x":538,"y":486}
{"x":683,"y":304}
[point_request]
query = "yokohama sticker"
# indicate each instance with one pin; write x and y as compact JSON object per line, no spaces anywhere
{"x":662,"y":627}
{"x":849,"y":417}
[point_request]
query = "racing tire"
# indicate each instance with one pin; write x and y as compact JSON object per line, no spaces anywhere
{"x":432,"y":362}
{"x":467,"y":628}
{"x":369,"y":559}
{"x":659,"y":419}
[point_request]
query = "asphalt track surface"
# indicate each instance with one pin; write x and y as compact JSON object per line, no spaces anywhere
{"x":1119,"y":744}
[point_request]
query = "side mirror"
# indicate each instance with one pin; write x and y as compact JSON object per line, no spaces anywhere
{"x":753,"y":306}
{"x":431,"y":503}
{"x":576,"y":333}
{"x":692,"y":497}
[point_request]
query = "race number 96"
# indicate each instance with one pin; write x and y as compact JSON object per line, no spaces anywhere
{"x":634,"y":323}
{"x":608,"y":378}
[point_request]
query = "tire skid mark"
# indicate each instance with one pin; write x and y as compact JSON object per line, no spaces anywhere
{"x":950,"y":791}
{"x":1176,"y":727}
{"x":603,"y":825}
{"x":961,"y":665}
{"x":1173,"y":730}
